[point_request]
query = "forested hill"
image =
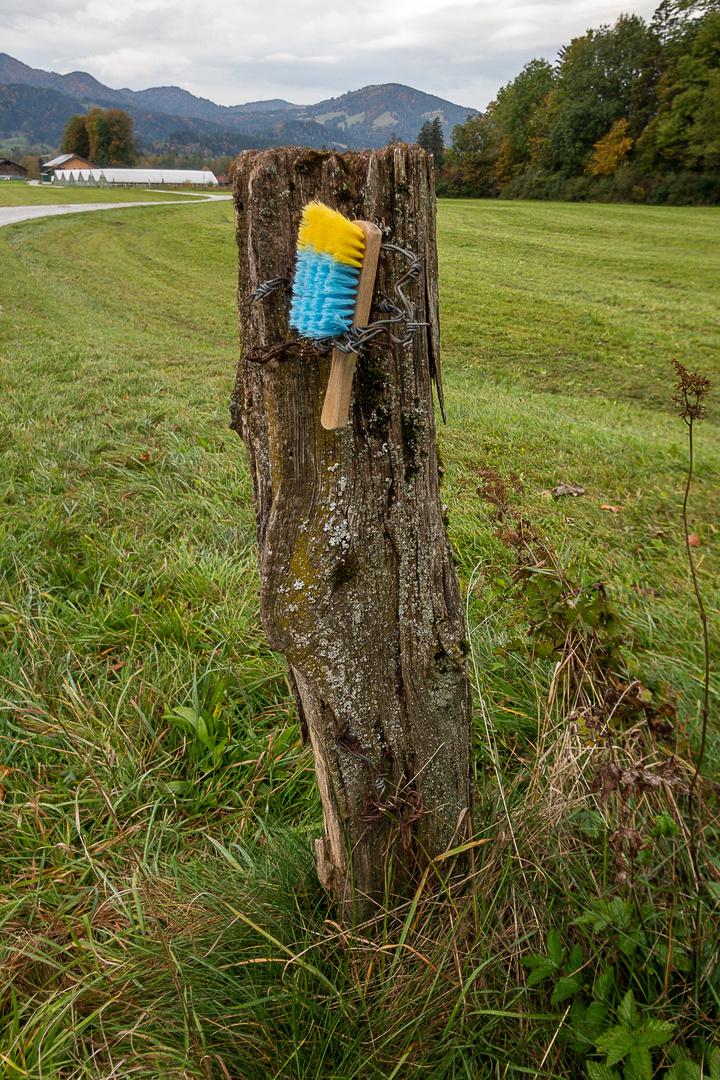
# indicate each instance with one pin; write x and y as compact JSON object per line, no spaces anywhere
{"x":356,"y":120}
{"x":32,"y":116}
{"x":630,"y":111}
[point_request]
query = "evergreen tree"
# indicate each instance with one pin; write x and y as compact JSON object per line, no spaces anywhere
{"x":431,"y":138}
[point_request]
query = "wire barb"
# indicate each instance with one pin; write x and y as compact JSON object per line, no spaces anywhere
{"x":269,"y":287}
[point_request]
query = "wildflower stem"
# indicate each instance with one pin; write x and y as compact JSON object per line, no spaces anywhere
{"x":701,"y":608}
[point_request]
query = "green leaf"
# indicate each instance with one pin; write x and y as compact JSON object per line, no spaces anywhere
{"x":713,"y":1060}
{"x":603,"y":984}
{"x":655,"y":1033}
{"x":684,"y":1070}
{"x":629,"y":942}
{"x":542,"y":967}
{"x":219,"y":751}
{"x":203,"y":734}
{"x":616,"y":1043}
{"x":598,"y":1070}
{"x":566,"y":987}
{"x":596,"y":1015}
{"x":179,"y":787}
{"x":575,"y":960}
{"x":627,"y":1011}
{"x":185,"y":714}
{"x":639,"y":1064}
{"x":555,"y":948}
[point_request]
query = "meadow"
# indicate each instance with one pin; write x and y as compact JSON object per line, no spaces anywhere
{"x":160,"y":913}
{"x":13,"y":193}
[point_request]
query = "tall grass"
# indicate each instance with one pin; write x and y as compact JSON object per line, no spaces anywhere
{"x":160,"y":911}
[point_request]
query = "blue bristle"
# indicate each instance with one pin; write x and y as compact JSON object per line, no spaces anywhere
{"x":324,"y":294}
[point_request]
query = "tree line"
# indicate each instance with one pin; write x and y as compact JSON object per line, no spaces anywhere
{"x":630,"y":111}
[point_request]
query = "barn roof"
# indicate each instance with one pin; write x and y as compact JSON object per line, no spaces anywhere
{"x":7,"y":162}
{"x":58,"y":162}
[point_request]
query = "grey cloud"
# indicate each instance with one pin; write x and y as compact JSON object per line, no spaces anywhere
{"x":235,"y":52}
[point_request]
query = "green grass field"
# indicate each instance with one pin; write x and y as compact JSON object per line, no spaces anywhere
{"x":159,"y":908}
{"x":582,"y":299}
{"x":13,"y":193}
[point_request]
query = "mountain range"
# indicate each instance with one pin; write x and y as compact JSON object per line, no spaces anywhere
{"x":35,"y":106}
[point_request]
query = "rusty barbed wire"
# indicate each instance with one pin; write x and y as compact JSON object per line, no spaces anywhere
{"x":263,"y":354}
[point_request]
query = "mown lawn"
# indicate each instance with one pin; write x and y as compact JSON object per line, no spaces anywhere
{"x":584,"y":300}
{"x":560,"y":324}
{"x":160,"y":912}
{"x":23,"y":194}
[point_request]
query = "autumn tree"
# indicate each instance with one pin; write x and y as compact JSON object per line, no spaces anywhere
{"x":610,"y":151}
{"x":75,"y":137}
{"x":32,"y":164}
{"x":631,"y":91}
{"x":103,"y":137}
{"x":121,"y":145}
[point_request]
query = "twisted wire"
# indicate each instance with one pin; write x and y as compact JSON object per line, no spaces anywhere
{"x":357,"y":337}
{"x":268,"y":287}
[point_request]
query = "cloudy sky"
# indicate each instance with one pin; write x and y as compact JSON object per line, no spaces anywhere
{"x":233,"y":51}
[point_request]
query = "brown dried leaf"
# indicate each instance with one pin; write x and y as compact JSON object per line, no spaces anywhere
{"x":608,"y":778}
{"x":617,"y":839}
{"x":625,"y":835}
{"x":607,"y":506}
{"x":568,"y":489}
{"x":693,"y":540}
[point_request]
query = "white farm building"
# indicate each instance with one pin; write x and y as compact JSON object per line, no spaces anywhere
{"x":112,"y":177}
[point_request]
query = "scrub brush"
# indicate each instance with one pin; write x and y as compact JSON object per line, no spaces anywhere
{"x":332,"y":292}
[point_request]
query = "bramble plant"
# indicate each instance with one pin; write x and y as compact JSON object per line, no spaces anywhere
{"x":630,"y":1042}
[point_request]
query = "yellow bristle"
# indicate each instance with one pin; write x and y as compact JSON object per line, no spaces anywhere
{"x":323,"y":229}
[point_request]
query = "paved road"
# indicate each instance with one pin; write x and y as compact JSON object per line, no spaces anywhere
{"x":9,"y":215}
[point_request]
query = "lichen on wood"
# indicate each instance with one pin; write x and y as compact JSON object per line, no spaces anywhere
{"x":357,"y":583}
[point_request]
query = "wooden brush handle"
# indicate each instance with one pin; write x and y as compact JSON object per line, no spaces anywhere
{"x":336,"y":406}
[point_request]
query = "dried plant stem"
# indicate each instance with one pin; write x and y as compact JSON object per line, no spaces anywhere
{"x":703,"y":616}
{"x":693,"y":801}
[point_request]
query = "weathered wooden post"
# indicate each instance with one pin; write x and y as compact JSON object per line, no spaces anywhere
{"x":357,"y":583}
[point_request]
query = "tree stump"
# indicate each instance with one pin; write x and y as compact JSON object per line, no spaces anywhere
{"x":358,"y":587}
